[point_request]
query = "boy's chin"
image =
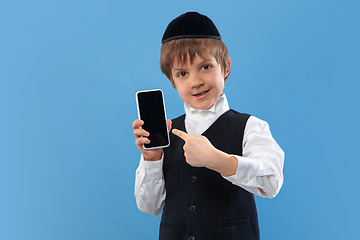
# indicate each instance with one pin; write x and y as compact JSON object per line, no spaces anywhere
{"x":201,"y":106}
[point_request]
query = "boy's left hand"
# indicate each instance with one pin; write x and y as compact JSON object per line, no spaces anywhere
{"x":199,"y":152}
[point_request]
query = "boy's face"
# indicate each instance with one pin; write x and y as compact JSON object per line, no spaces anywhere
{"x":201,"y":83}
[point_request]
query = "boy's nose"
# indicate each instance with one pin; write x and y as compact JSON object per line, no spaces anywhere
{"x":196,"y":82}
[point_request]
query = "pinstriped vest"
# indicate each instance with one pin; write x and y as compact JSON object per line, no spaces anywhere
{"x":200,"y":204}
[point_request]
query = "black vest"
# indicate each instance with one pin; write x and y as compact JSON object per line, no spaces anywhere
{"x":200,"y":204}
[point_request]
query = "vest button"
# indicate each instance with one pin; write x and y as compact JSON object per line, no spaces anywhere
{"x":193,"y":179}
{"x":192,"y":208}
{"x":191,"y":238}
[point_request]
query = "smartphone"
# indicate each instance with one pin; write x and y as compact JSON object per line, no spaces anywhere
{"x":151,"y":109}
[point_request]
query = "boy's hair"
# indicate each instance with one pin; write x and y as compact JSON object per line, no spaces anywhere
{"x":185,"y":49}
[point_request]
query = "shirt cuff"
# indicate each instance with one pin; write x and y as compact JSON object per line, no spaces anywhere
{"x":245,"y":174}
{"x":153,"y":169}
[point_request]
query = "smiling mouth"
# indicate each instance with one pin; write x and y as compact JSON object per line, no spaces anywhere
{"x":201,"y":93}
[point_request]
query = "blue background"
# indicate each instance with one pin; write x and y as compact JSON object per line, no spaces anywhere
{"x":69,"y":71}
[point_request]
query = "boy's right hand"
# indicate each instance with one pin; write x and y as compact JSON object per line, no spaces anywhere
{"x":141,"y":138}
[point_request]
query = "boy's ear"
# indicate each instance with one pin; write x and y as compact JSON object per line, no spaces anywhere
{"x":228,"y":68}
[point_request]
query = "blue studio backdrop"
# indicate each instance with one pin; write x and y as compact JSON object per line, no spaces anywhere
{"x":69,"y":71}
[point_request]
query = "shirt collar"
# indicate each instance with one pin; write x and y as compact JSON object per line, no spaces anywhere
{"x":220,"y":106}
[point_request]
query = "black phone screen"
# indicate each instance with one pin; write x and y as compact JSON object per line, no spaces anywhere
{"x":151,"y":110}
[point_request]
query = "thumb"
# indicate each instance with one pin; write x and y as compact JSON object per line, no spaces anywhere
{"x":168,"y":123}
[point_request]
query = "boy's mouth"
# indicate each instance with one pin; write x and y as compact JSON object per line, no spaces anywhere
{"x":201,"y":94}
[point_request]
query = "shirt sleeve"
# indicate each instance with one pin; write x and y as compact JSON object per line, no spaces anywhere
{"x":260,"y":168}
{"x":150,"y":186}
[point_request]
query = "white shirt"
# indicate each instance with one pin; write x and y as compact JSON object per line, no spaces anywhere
{"x":259,"y":168}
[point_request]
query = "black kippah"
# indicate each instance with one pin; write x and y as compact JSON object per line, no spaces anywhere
{"x":191,"y":25}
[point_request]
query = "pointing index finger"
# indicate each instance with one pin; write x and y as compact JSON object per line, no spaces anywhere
{"x":183,"y":135}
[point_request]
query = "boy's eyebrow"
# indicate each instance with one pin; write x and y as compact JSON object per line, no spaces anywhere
{"x":179,"y":68}
{"x":175,"y":69}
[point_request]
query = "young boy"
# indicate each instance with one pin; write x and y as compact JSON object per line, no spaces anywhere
{"x":218,"y":158}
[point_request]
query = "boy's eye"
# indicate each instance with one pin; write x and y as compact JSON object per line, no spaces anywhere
{"x":182,"y":74}
{"x":206,"y":67}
